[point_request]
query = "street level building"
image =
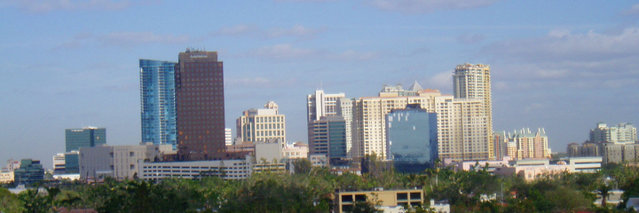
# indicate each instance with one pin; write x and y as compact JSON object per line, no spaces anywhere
{"x":120,"y":162}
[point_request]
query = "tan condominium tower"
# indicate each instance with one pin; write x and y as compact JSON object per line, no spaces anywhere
{"x":472,"y":81}
{"x":263,"y":125}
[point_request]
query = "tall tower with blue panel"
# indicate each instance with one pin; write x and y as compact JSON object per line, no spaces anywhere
{"x":412,"y":138}
{"x":157,"y":96}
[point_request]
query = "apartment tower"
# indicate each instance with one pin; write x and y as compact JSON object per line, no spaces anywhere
{"x":473,"y":81}
{"x":199,"y":94}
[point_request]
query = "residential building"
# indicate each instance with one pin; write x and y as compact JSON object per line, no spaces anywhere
{"x":500,"y":144}
{"x":623,"y":133}
{"x":529,"y":145}
{"x":345,"y":200}
{"x":345,"y":110}
{"x":157,"y":97}
{"x":473,"y":81}
{"x":120,"y":162}
{"x":6,"y":173}
{"x":262,"y":124}
{"x":84,"y":137}
{"x":619,"y":153}
{"x":199,"y":95}
{"x":30,"y":172}
{"x":327,"y":136}
{"x":411,"y":135}
{"x":463,"y":131}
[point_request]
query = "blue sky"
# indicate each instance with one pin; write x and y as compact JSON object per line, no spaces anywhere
{"x":555,"y":64}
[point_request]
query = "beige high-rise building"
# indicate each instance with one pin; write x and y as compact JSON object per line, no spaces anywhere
{"x":369,"y":118}
{"x":529,"y":145}
{"x":462,"y":126}
{"x":262,"y":124}
{"x":473,"y":81}
{"x":462,"y":123}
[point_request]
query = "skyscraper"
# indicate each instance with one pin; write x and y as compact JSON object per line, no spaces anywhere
{"x":199,"y":94}
{"x":157,"y":96}
{"x":85,"y":137}
{"x":262,"y":125}
{"x":320,"y":105}
{"x":473,"y":81}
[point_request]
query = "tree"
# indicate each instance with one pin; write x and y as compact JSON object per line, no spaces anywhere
{"x":302,"y":166}
{"x":9,"y":202}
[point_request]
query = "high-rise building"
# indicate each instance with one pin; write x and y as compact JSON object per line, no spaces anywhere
{"x":623,"y":133}
{"x":369,"y":118}
{"x":322,"y":104}
{"x":412,"y":138}
{"x":157,"y":96}
{"x":328,"y":136}
{"x":262,"y":125}
{"x":462,"y":127}
{"x":473,"y":81}
{"x":85,"y":137}
{"x":199,"y":95}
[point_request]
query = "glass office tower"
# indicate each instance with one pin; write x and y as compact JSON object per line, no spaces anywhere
{"x":85,"y":137}
{"x":412,"y":138}
{"x":157,"y":96}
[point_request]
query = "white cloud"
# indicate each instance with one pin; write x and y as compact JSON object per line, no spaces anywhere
{"x":440,"y":80}
{"x":297,"y":31}
{"x":283,"y":51}
{"x":127,"y":38}
{"x":427,"y":6}
{"x":634,"y":10}
{"x":53,"y":5}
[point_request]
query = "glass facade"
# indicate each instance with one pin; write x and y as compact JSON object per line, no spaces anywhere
{"x":328,"y":136}
{"x":86,"y":137}
{"x":412,"y":138}
{"x":157,"y":94}
{"x":71,"y":163}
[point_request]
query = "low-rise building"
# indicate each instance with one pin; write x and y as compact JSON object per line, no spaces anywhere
{"x":297,"y":150}
{"x":30,"y":172}
{"x":120,"y":162}
{"x":346,"y":200}
{"x":225,"y":169}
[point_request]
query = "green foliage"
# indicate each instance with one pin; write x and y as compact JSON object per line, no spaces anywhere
{"x":312,"y":189}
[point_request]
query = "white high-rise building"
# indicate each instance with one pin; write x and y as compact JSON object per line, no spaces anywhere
{"x":473,"y":81}
{"x":321,"y":105}
{"x":262,"y":124}
{"x":623,"y":133}
{"x":228,"y":137}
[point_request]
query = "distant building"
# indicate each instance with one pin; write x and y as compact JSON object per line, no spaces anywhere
{"x":262,"y":124}
{"x":199,"y":100}
{"x":30,"y":172}
{"x":120,"y":162}
{"x":228,"y":137}
{"x":6,"y":174}
{"x":623,"y":133}
{"x":529,"y":145}
{"x":327,"y":136}
{"x":72,"y":162}
{"x":157,"y":97}
{"x":412,"y":138}
{"x":58,"y":163}
{"x":619,"y":153}
{"x":85,"y":137}
{"x":296,"y":150}
{"x":388,"y":199}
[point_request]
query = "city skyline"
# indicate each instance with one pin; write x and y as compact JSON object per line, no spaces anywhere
{"x":75,"y":64}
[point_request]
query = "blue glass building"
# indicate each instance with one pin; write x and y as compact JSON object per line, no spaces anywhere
{"x":412,"y":138}
{"x":85,"y":137}
{"x":157,"y":96}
